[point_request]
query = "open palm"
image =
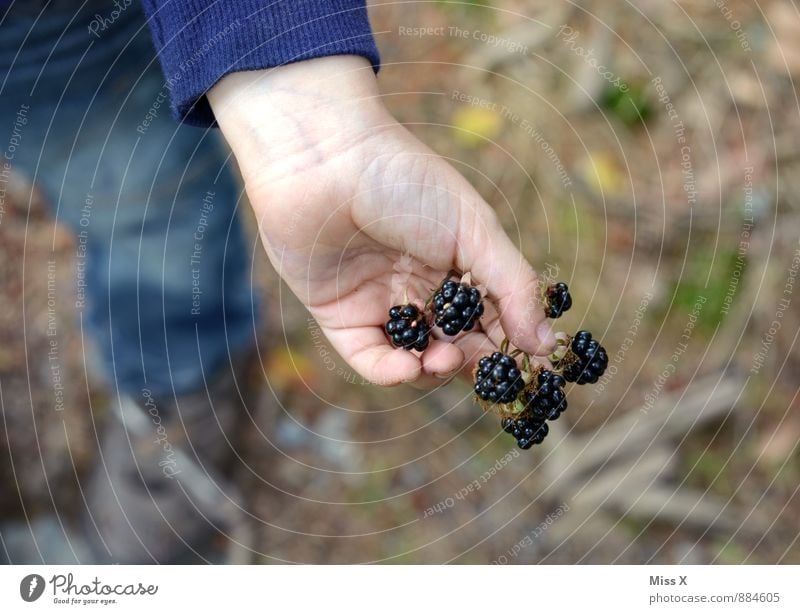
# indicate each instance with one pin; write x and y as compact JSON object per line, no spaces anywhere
{"x":356,"y":213}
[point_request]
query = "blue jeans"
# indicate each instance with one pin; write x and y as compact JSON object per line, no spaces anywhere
{"x":162,"y":265}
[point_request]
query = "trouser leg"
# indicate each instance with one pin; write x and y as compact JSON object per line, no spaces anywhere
{"x":161,"y":260}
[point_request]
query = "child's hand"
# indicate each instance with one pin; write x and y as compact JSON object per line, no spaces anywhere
{"x":344,"y":195}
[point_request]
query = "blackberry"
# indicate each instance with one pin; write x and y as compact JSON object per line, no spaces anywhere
{"x":457,"y":307}
{"x":545,"y":400}
{"x":557,"y":300}
{"x":526,"y":430}
{"x":498,"y":379}
{"x":585,"y":361}
{"x":408,"y":328}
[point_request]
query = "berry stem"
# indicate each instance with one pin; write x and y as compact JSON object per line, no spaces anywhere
{"x":563,"y":342}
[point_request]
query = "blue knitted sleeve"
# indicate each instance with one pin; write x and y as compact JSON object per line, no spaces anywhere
{"x":200,"y":41}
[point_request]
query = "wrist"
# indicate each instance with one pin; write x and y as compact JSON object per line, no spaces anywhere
{"x":273,"y":115}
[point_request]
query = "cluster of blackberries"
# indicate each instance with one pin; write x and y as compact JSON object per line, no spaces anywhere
{"x":526,"y":430}
{"x":547,"y":399}
{"x":543,"y":399}
{"x":557,"y":300}
{"x":526,"y":398}
{"x":454,"y":307}
{"x":585,"y":361}
{"x":457,"y":307}
{"x":498,"y":379}
{"x":408,"y":328}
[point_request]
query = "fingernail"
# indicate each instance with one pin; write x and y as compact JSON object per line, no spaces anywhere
{"x":546,"y":335}
{"x":446,"y":375}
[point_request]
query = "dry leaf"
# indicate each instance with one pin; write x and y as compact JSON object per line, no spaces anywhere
{"x":475,"y":125}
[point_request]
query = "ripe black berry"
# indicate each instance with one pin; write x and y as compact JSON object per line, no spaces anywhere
{"x":526,"y":430}
{"x":457,"y":306}
{"x":586,"y":360}
{"x":498,"y":379}
{"x":545,"y":400}
{"x":407,"y":328}
{"x":557,"y":300}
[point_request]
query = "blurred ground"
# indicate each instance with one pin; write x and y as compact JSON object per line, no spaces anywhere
{"x":643,"y":153}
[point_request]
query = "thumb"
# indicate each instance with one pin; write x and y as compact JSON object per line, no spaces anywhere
{"x":487,"y":252}
{"x":419,"y":204}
